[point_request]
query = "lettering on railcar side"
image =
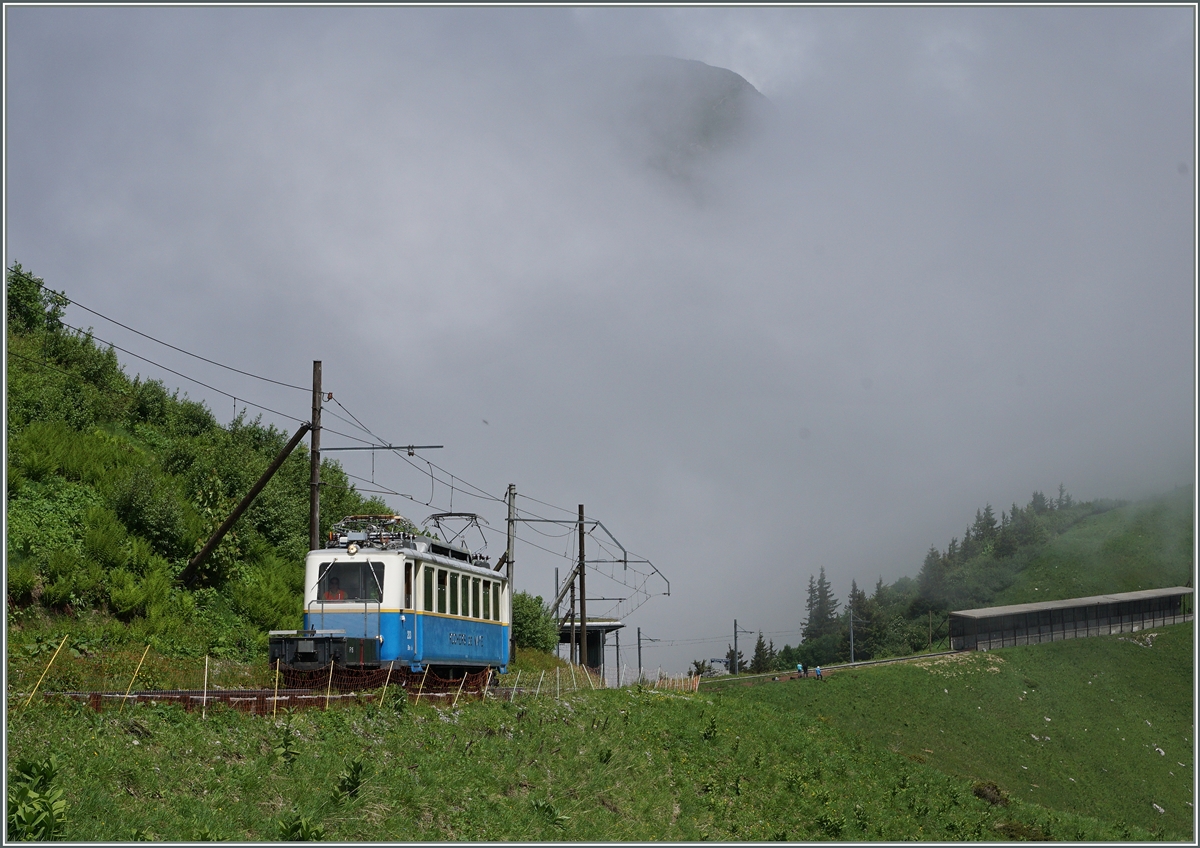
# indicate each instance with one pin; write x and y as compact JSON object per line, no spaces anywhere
{"x":466,"y":639}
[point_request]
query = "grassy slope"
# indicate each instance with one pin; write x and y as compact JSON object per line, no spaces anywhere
{"x":1111,"y":703}
{"x":1146,"y":545}
{"x":796,"y":759}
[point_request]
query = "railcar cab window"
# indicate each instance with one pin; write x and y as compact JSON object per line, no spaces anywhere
{"x":428,"y":606}
{"x":350,"y":582}
{"x":441,"y":590}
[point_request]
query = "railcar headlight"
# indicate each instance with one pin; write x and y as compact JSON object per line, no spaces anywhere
{"x":352,"y":549}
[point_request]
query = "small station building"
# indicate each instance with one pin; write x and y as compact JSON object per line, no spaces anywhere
{"x":1072,"y":618}
{"x":598,"y":630}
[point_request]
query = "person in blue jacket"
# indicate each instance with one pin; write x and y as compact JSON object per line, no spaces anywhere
{"x":819,"y":673}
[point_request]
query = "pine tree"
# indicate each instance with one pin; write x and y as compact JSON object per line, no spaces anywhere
{"x":760,"y":662}
{"x":729,"y":660}
{"x":970,"y":546}
{"x":985,"y":525}
{"x":827,"y":605}
{"x":933,"y":571}
{"x":812,"y":619}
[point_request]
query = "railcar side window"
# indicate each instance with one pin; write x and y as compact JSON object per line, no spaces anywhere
{"x":350,"y":581}
{"x":496,"y":603}
{"x":441,"y":590}
{"x":408,"y":577}
{"x":475,"y":596}
{"x":428,"y":607}
{"x":487,"y":598}
{"x":453,"y":593}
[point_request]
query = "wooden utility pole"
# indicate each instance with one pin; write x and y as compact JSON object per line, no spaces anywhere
{"x":574,"y":640}
{"x":582,"y":592}
{"x":189,"y":573}
{"x":851,"y":629}
{"x":639,"y":655}
{"x":314,"y":479}
{"x":735,"y":658}
{"x":508,"y":555}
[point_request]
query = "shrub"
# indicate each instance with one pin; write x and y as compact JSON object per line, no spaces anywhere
{"x":149,"y":506}
{"x":533,"y":623}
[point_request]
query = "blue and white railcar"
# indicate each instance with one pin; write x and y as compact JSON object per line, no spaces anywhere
{"x":403,"y":600}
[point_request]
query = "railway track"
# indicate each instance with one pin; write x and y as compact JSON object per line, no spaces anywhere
{"x":748,"y":680}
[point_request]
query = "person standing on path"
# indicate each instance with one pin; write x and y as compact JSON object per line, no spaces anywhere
{"x":819,"y":677}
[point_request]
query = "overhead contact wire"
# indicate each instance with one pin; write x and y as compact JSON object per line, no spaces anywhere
{"x":166,"y":344}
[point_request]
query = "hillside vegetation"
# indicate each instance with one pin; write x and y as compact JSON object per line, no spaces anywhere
{"x":1051,"y":548}
{"x":115,"y":482}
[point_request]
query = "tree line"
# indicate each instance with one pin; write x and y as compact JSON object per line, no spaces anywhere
{"x":908,"y":615}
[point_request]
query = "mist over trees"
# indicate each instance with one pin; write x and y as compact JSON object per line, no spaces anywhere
{"x":908,"y":615}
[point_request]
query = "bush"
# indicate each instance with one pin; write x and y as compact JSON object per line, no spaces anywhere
{"x":533,"y":623}
{"x":151,"y":507}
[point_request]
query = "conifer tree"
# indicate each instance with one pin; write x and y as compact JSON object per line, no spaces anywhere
{"x":933,"y":571}
{"x":827,"y":604}
{"x":729,"y":660}
{"x":811,"y":617}
{"x":760,"y":662}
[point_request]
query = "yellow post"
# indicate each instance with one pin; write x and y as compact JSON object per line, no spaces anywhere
{"x":43,"y":677}
{"x":275,"y":703}
{"x":385,"y":684}
{"x":421,"y":687}
{"x":329,"y":685}
{"x":139,"y":668}
{"x":574,"y":685}
{"x":513,"y":697}
{"x":486,"y":681}
{"x":203,"y":703}
{"x":454,"y":703}
{"x":539,"y":686}
{"x":588,"y":672}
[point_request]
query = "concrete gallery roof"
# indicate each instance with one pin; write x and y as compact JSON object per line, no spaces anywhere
{"x":1017,"y":609}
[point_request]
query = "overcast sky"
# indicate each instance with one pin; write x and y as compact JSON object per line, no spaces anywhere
{"x":954,"y":266}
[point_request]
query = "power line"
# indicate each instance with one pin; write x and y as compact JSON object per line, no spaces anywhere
{"x":42,"y":285}
{"x":184,"y":376}
{"x":75,"y":377}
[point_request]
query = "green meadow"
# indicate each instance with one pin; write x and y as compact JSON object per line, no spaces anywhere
{"x":1144,"y":545}
{"x":955,"y":748}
